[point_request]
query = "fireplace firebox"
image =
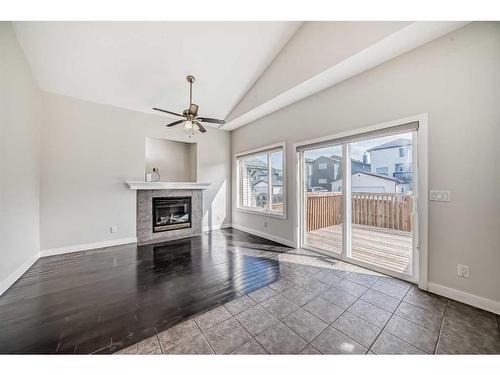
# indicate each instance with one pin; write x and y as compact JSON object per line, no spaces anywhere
{"x":170,"y":213}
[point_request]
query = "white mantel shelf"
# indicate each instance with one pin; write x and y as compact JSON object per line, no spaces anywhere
{"x":161,"y":185}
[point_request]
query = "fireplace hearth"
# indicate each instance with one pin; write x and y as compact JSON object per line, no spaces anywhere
{"x":171,"y":213}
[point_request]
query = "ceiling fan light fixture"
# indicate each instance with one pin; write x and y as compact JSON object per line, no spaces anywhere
{"x":190,"y":120}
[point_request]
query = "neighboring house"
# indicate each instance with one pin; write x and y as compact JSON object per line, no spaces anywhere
{"x":362,"y":181}
{"x":255,"y":185}
{"x":389,"y":170}
{"x":394,"y":159}
{"x":326,"y":170}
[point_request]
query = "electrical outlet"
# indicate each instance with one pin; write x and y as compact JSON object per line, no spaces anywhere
{"x":440,"y":195}
{"x":463,"y":270}
{"x":113,"y":229}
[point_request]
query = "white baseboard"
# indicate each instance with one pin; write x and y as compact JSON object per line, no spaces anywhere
{"x":14,"y":276}
{"x":87,"y":246}
{"x":215,"y":227}
{"x":467,"y":298}
{"x":267,"y":236}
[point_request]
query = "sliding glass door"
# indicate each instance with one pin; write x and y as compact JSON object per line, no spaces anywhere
{"x":381,"y":189}
{"x":375,"y":227}
{"x":322,"y":170}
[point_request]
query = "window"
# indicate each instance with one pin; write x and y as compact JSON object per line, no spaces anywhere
{"x":322,"y":166}
{"x":262,"y":182}
{"x":403,"y":152}
{"x":322,"y":181}
{"x":383,"y":170}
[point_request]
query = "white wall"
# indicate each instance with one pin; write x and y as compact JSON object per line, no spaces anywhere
{"x":456,"y":80}
{"x":89,"y":150}
{"x":174,"y":160}
{"x":315,"y":47}
{"x":19,"y":160}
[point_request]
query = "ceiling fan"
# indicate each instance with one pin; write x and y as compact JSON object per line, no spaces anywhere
{"x":192,"y":122}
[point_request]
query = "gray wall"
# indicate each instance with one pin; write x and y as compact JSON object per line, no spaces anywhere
{"x":89,"y":150}
{"x":19,"y":158}
{"x":176,"y":161}
{"x":456,"y":80}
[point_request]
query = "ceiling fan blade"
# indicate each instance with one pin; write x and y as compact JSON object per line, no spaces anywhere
{"x":175,"y":123}
{"x":212,"y":120}
{"x":164,"y":110}
{"x":200,"y":126}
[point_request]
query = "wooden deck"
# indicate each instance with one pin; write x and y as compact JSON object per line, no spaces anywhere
{"x":387,"y":248}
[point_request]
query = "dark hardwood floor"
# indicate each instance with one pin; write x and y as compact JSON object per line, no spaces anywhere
{"x":100,"y":301}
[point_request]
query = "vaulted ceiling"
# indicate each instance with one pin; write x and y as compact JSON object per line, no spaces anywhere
{"x":243,"y":70}
{"x":139,"y":65}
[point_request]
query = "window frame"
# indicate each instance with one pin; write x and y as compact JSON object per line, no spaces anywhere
{"x":269,"y":149}
{"x":382,"y":173}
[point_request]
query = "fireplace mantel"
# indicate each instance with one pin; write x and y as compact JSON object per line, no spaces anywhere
{"x":162,"y":185}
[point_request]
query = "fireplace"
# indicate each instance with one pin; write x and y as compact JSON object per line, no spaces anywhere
{"x":170,"y":213}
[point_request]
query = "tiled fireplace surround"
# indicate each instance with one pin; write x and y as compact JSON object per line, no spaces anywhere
{"x":145,"y":233}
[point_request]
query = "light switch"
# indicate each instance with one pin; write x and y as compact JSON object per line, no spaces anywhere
{"x":440,"y":195}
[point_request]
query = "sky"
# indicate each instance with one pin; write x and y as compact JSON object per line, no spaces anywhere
{"x":357,"y":148}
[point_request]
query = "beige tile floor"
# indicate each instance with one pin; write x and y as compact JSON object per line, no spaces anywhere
{"x":323,"y":306}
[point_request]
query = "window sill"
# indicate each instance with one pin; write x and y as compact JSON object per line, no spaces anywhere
{"x":262,"y":213}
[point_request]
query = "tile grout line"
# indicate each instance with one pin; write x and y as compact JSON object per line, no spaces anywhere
{"x":330,"y":325}
{"x":257,"y":304}
{"x":388,"y":320}
{"x":319,"y":296}
{"x":159,"y":343}
{"x":246,"y":342}
{"x":394,"y":313}
{"x":299,"y":306}
{"x":252,"y":336}
{"x":203,"y":334}
{"x":278,"y":320}
{"x":316,"y":295}
{"x":351,"y":313}
{"x":418,"y":324}
{"x":441,"y":326}
{"x":271,"y":326}
{"x":302,"y":307}
{"x":392,"y":334}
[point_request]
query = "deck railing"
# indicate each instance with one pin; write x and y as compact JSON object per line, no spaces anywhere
{"x":383,"y":210}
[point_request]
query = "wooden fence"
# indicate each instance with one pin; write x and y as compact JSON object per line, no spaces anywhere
{"x":277,"y":207}
{"x":383,"y":210}
{"x":323,"y":210}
